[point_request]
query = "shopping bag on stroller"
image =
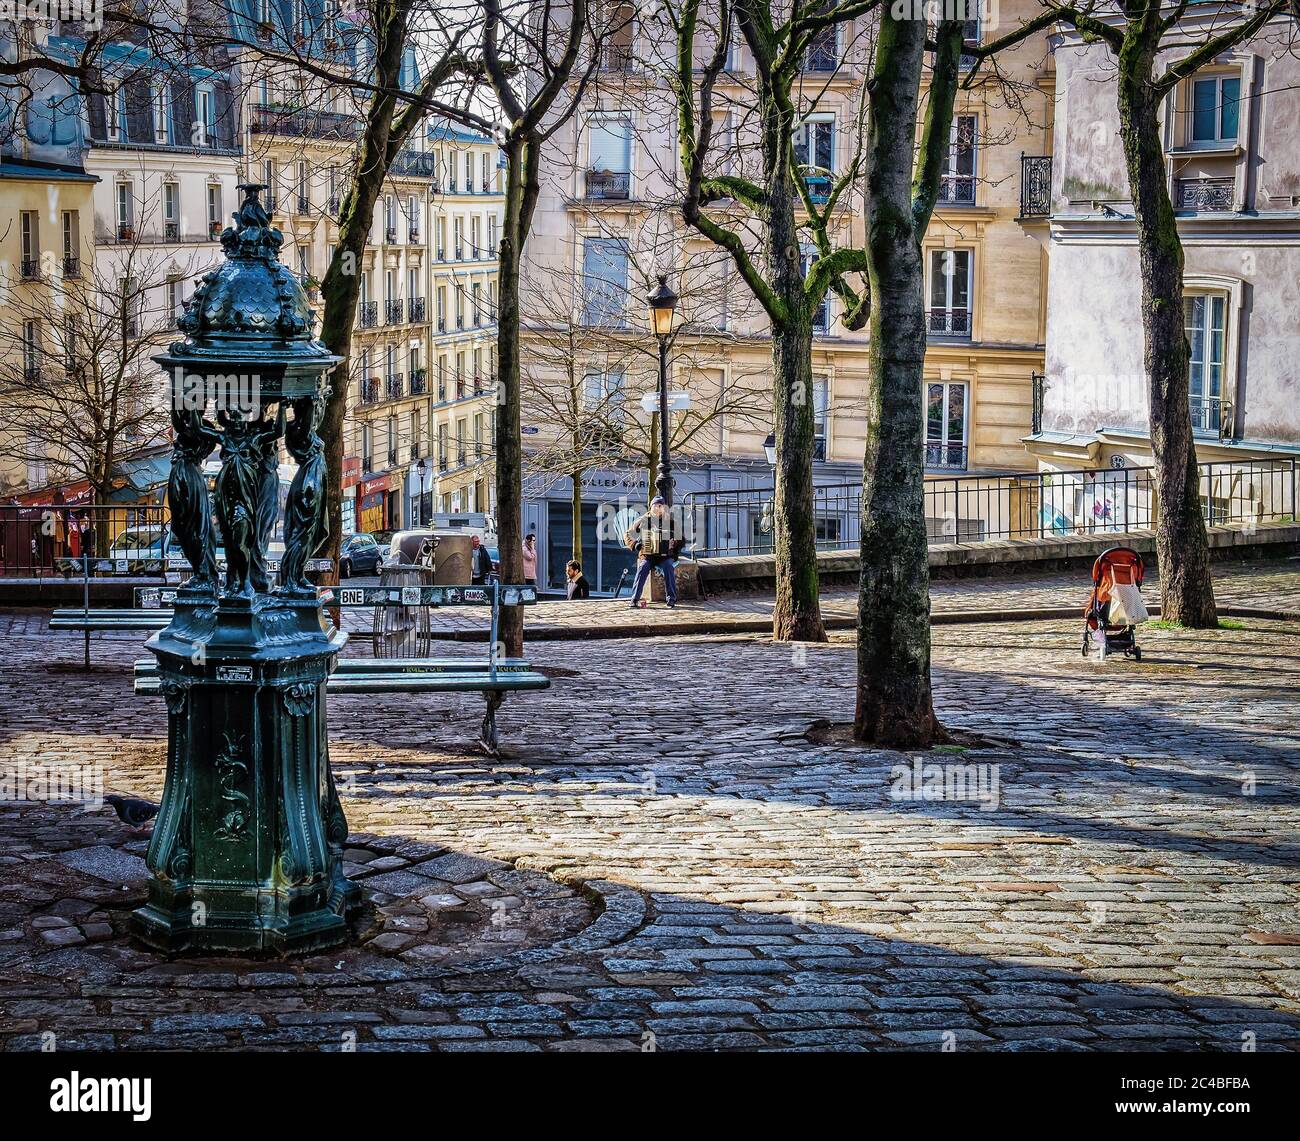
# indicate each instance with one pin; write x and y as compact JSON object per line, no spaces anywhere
{"x":1126,"y":605}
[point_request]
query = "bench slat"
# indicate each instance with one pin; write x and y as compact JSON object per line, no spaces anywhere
{"x":469,"y":682}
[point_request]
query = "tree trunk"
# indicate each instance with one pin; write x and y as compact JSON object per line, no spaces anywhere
{"x":509,"y":449}
{"x":1182,"y":550}
{"x":341,"y":286}
{"x":894,"y":700}
{"x":576,"y":506}
{"x":796,"y":615}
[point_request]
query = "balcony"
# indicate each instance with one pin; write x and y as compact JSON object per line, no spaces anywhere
{"x":370,"y":391}
{"x":419,"y":381}
{"x":390,"y":235}
{"x":945,"y":457}
{"x":125,"y":232}
{"x":459,"y":252}
{"x":819,"y":188}
{"x":30,"y":269}
{"x":303,"y":204}
{"x":414,"y":453}
{"x":412,"y":235}
{"x":368,"y":314}
{"x":417,"y":310}
{"x":442,"y":253}
{"x":214,"y":230}
{"x":957,"y":190}
{"x":71,"y":266}
{"x":1209,"y":414}
{"x":392,"y":457}
{"x":442,"y":324}
{"x":609,"y":185}
{"x":949,"y":323}
{"x":1035,"y":186}
{"x":332,"y":204}
{"x":442,"y":462}
{"x":305,"y":124}
{"x":393,"y":312}
{"x":31,"y":374}
{"x":171,"y":231}
{"x":1206,"y":195}
{"x":415,"y":164}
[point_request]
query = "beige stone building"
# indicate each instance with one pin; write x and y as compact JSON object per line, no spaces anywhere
{"x":609,"y":220}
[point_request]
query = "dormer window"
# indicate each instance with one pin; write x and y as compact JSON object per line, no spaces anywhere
{"x":115,"y":114}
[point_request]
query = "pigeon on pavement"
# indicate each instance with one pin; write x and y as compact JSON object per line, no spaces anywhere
{"x":131,"y":810}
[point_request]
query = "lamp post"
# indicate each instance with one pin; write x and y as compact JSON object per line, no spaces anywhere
{"x":662,"y":303}
{"x":247,"y":850}
{"x":423,"y":468}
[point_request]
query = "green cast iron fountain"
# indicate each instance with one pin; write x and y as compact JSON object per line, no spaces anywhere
{"x":247,"y":849}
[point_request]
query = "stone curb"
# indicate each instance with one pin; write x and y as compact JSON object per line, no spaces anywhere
{"x":677,"y":629}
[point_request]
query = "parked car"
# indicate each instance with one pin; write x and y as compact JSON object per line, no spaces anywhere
{"x":359,"y":554}
{"x":140,"y":543}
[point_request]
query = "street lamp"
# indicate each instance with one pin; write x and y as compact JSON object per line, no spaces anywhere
{"x":769,"y":448}
{"x":423,"y":468}
{"x":662,"y":303}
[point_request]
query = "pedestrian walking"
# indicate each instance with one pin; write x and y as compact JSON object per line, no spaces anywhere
{"x":577,"y":586}
{"x":657,"y":539}
{"x":530,"y":559}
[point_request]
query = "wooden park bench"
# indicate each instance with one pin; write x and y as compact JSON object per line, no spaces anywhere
{"x":493,"y":677}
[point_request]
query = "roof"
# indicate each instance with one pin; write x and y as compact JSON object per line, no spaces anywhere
{"x":445,"y":132}
{"x":43,"y":172}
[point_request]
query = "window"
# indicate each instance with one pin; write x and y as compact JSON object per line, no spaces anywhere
{"x":821,"y":404}
{"x":814,"y":150}
{"x":71,"y":244}
{"x":442,"y":239}
{"x":29,"y":223}
{"x":950,"y":292}
{"x":214,"y":208}
{"x":442,"y":447}
{"x":162,"y":112}
{"x":604,"y":278}
{"x":469,"y":173}
{"x":821,"y":318}
{"x":475,"y":252}
{"x":175,"y":299}
{"x":31,"y":350}
{"x":1205,"y":317}
{"x":205,"y":111}
{"x":945,"y":425}
{"x":609,"y":158}
{"x":476,"y":303}
{"x":115,"y":114}
{"x":125,"y":212}
{"x":823,"y":52}
{"x":390,"y":217}
{"x":492,"y":237}
{"x":412,"y":219}
{"x":485,"y":166}
{"x":457,"y":238}
{"x":958,"y":184}
{"x":271,"y":183}
{"x":1215,"y":110}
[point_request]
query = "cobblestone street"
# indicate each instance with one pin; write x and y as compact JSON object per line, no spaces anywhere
{"x":1128,"y":880}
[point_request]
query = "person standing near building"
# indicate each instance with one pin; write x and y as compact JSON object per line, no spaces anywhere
{"x":530,"y":559}
{"x":480,"y":562}
{"x":656,"y":536}
{"x":577,"y":587}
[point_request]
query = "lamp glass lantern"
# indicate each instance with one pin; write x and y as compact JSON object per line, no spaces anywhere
{"x":663,"y":303}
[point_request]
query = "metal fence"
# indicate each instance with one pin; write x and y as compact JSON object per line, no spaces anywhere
{"x":1037,"y":505}
{"x":46,"y":540}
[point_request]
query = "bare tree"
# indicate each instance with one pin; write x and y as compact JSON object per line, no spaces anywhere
{"x":1156,"y":49}
{"x":79,"y":389}
{"x":793,"y":200}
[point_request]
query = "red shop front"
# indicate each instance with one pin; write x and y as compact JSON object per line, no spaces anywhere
{"x":372,"y":504}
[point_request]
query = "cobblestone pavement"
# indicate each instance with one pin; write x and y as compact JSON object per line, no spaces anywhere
{"x":1132,"y":885}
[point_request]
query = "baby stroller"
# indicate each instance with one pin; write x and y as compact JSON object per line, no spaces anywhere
{"x":1115,"y":606}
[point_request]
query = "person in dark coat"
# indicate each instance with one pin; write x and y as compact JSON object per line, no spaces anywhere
{"x":577,"y":586}
{"x":480,"y":562}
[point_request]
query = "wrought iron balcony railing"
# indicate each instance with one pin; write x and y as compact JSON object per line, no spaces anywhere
{"x":30,"y":268}
{"x":417,"y":310}
{"x":1035,"y":186}
{"x":393,"y":312}
{"x":308,"y":124}
{"x":949,"y":323}
{"x":368,"y":314}
{"x":1207,"y":195}
{"x":71,"y":265}
{"x":393,"y":386}
{"x":957,"y":190}
{"x":617,"y":57}
{"x":171,"y":231}
{"x":609,"y":184}
{"x":419,"y":381}
{"x":948,"y":457}
{"x":1208,"y":413}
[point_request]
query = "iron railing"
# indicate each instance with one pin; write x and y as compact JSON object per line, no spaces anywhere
{"x":1207,"y":195}
{"x":949,"y":322}
{"x":957,"y":190}
{"x":609,"y":184}
{"x":1038,"y":389}
{"x":1035,"y":186}
{"x":1033,"y":505}
{"x":393,"y":312}
{"x":49,"y":540}
{"x":417,"y":310}
{"x":368,"y":314}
